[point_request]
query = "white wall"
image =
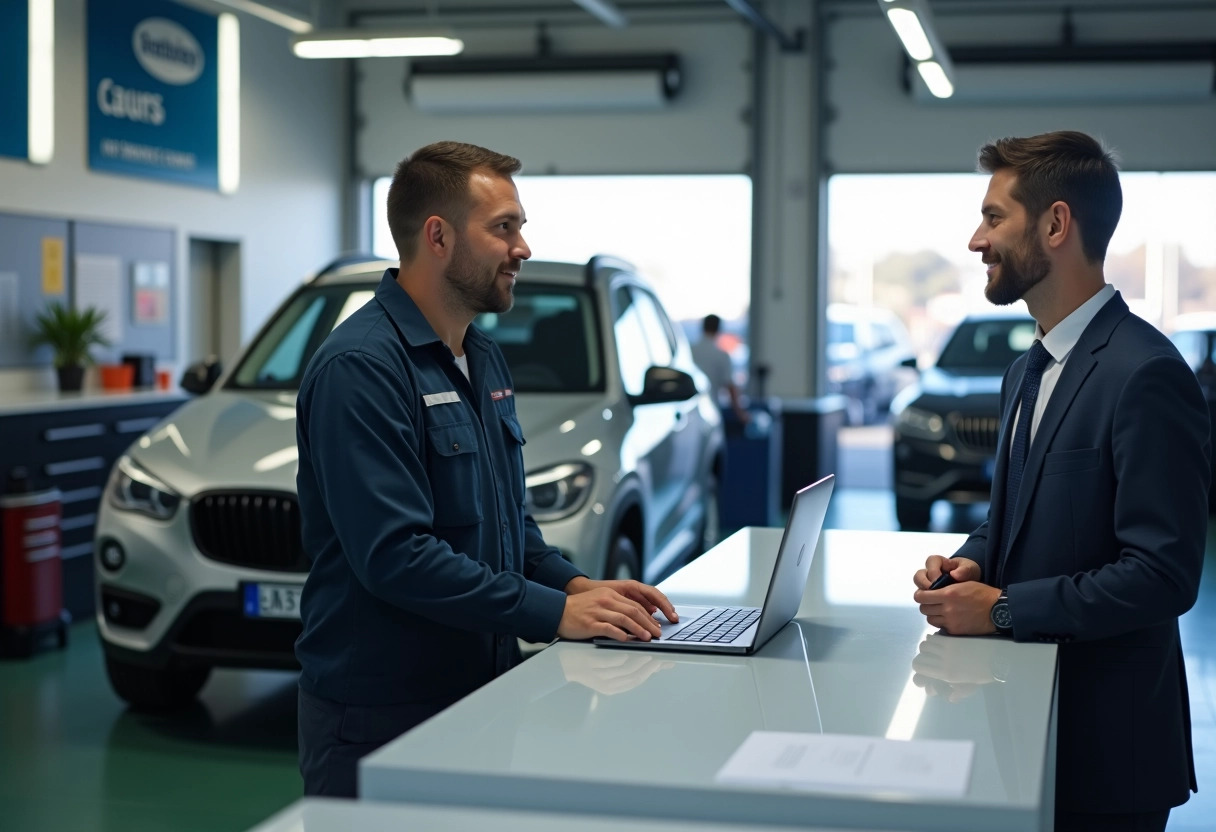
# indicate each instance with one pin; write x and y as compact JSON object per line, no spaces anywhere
{"x":880,"y":128}
{"x":286,"y":215}
{"x":703,"y":130}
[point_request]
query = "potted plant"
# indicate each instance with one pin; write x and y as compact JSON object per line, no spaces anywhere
{"x":70,"y":333}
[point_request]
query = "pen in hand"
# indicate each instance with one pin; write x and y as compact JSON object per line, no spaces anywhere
{"x":944,"y":580}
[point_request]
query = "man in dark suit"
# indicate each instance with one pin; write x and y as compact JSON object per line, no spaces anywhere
{"x":1095,"y":532}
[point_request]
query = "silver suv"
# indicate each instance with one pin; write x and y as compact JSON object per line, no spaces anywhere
{"x":199,"y":561}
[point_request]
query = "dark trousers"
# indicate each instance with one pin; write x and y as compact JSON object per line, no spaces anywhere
{"x":334,"y":736}
{"x":1138,"y":822}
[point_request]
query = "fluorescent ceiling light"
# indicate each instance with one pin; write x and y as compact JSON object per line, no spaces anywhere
{"x":911,"y":34}
{"x":229,"y":82}
{"x":369,"y":44}
{"x":606,"y":11}
{"x":41,"y":114}
{"x":269,"y":13}
{"x":935,"y":79}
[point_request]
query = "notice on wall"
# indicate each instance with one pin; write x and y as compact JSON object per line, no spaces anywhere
{"x":150,"y":293}
{"x":52,"y":266}
{"x":843,"y":762}
{"x":99,"y":284}
{"x":10,"y":312}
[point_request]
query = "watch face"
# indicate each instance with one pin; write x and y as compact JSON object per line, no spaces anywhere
{"x":1001,"y":617}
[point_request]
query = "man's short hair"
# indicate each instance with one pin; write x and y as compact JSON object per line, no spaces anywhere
{"x":711,"y":324}
{"x":1065,"y":166}
{"x":434,"y":181}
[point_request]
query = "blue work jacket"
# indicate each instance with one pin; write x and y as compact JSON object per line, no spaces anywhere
{"x":411,"y":487}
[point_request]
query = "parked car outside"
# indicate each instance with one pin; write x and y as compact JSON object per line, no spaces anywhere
{"x":867,"y":348}
{"x":199,"y":559}
{"x":947,"y":424}
{"x":1194,"y":334}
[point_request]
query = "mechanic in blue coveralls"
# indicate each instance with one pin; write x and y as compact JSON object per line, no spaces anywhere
{"x":411,"y":484}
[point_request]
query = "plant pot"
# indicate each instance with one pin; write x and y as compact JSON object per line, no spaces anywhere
{"x":116,"y":376}
{"x":71,"y":378}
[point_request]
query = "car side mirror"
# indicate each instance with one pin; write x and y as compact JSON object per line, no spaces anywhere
{"x":665,"y":384}
{"x":201,"y":376}
{"x":909,"y":362}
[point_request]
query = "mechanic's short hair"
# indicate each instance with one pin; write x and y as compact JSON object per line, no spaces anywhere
{"x":434,"y":181}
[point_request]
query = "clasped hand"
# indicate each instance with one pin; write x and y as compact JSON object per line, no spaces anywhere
{"x":616,"y":609}
{"x":961,"y":609}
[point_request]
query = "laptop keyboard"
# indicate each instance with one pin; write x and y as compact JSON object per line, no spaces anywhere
{"x":720,"y":625}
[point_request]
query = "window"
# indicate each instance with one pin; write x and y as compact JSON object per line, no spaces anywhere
{"x":899,"y":242}
{"x":630,"y":331}
{"x":278,"y":358}
{"x":689,"y":236}
{"x":550,"y":340}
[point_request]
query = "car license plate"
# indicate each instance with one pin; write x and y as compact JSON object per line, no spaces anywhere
{"x":989,"y":469}
{"x":272,"y":600}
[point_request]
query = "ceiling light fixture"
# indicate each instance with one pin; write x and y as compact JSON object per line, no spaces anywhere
{"x":912,"y":23}
{"x":266,"y":11}
{"x":357,"y":43}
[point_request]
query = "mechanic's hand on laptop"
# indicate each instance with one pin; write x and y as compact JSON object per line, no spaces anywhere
{"x":649,"y":597}
{"x":602,"y":611}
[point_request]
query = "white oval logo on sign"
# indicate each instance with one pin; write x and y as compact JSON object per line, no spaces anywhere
{"x":167,"y":51}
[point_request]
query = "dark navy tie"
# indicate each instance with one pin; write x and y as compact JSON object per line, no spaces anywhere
{"x":1036,"y":360}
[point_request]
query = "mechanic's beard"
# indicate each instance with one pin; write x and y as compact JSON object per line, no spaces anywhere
{"x":1020,"y":271}
{"x":471,"y":288}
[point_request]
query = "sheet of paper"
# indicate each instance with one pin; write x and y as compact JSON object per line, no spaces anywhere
{"x":11,"y":332}
{"x":842,"y":762}
{"x":99,"y":284}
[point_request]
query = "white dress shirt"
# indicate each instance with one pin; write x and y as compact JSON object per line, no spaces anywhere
{"x":1059,"y":344}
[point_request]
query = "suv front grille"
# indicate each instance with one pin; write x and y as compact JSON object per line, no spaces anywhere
{"x":977,"y":433}
{"x":259,"y":530}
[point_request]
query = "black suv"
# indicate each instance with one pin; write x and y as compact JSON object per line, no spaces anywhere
{"x":948,"y":423}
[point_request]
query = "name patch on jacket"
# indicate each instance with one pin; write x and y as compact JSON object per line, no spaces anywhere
{"x":432,"y":399}
{"x":495,"y":395}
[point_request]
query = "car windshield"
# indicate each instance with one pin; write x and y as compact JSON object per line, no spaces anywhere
{"x":986,"y":347}
{"x":278,"y":358}
{"x":549,"y":338}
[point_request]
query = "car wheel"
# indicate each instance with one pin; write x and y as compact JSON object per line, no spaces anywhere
{"x":711,"y":523}
{"x":913,"y":515}
{"x":623,"y":562}
{"x":156,"y":689}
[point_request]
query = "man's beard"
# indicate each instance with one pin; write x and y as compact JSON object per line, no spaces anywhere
{"x":471,"y":287}
{"x":1020,"y":271}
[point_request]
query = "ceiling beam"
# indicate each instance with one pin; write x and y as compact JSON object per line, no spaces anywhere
{"x":756,"y":17}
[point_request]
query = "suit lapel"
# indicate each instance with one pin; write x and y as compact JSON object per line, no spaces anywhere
{"x":1080,"y":364}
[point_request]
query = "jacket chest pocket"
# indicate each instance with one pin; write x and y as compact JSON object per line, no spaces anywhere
{"x":454,"y":466}
{"x":513,"y":436}
{"x":1066,"y":462}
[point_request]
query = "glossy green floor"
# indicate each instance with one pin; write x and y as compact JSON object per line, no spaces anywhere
{"x":72,"y":759}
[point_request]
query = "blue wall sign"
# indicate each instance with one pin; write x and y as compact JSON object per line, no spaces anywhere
{"x":14,"y":78}
{"x":153,"y":91}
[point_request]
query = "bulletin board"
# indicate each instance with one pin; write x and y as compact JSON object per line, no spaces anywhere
{"x":33,"y":271}
{"x":129,"y":272}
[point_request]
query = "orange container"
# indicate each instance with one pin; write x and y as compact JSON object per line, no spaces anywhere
{"x":164,"y":379}
{"x":117,"y":376}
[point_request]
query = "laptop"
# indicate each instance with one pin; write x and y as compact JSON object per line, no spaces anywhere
{"x":744,"y":630}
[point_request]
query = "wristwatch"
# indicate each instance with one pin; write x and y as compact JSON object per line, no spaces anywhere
{"x":1000,"y":615}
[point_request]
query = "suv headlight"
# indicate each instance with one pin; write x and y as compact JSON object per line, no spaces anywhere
{"x":132,"y":488}
{"x":924,"y":424}
{"x":557,"y":492}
